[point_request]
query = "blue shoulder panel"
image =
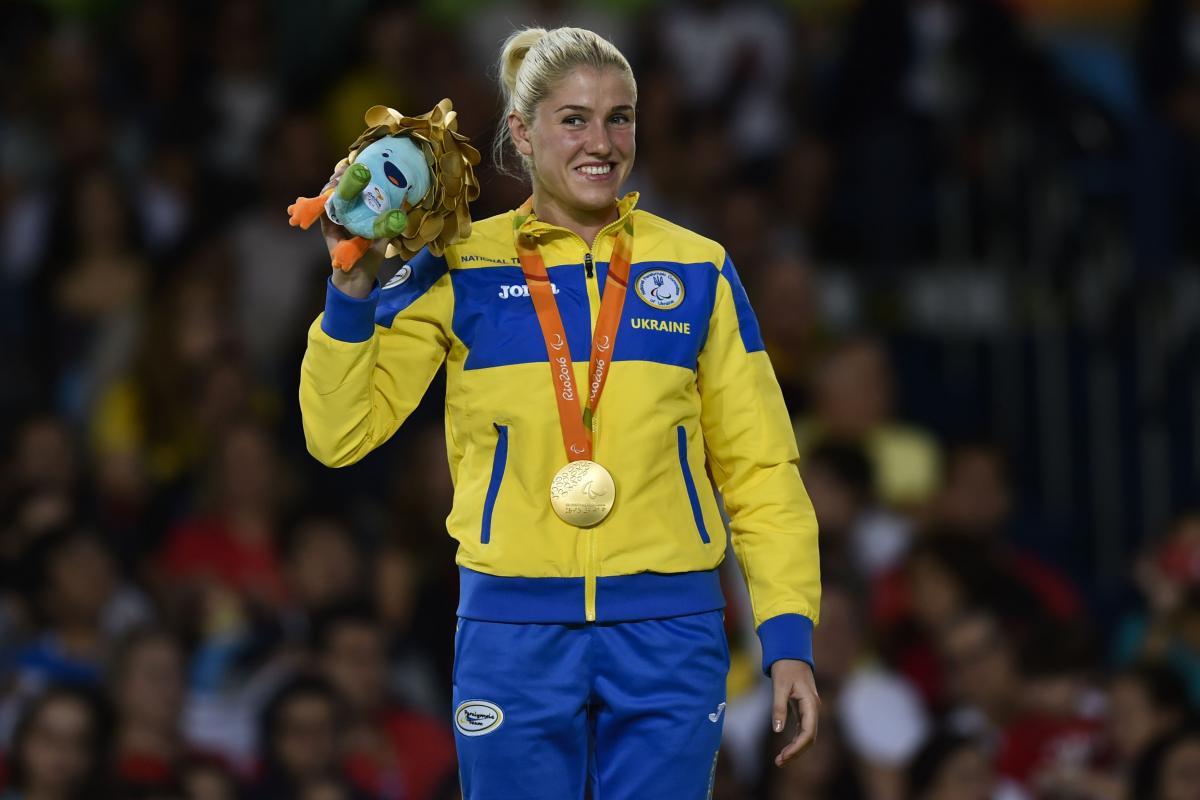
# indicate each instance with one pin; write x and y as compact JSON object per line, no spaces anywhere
{"x":495,"y":319}
{"x":747,"y":322}
{"x":408,"y":284}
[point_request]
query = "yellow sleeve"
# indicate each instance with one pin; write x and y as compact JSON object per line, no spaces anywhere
{"x":753,"y":457}
{"x":369,"y":362}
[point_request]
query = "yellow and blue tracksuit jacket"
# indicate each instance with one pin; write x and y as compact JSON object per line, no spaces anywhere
{"x":690,"y":390}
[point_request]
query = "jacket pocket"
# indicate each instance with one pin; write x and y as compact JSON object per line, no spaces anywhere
{"x":499,"y":459}
{"x":693,"y":497}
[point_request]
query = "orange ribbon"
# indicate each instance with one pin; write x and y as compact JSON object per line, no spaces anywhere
{"x":576,"y":428}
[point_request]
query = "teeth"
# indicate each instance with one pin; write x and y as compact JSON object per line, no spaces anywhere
{"x":590,"y":170}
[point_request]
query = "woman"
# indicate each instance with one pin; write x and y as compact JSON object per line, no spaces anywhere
{"x":590,"y":638}
{"x":301,"y":737}
{"x":60,"y":748}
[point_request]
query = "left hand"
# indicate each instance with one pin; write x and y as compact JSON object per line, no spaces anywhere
{"x":794,"y":686}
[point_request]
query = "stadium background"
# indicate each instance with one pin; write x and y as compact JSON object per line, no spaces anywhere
{"x":968,"y":231}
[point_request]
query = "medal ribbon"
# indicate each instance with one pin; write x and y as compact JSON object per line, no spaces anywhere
{"x":576,"y":427}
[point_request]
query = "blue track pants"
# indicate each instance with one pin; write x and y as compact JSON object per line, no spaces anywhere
{"x":636,"y":708}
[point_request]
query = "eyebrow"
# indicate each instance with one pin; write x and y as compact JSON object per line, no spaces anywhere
{"x":625,"y":107}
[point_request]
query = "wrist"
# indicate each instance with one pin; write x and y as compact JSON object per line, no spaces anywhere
{"x":356,"y":284}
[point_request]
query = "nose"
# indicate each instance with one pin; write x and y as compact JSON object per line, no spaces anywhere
{"x":598,"y":142}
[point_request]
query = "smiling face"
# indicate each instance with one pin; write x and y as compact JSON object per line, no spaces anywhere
{"x":581,"y":143}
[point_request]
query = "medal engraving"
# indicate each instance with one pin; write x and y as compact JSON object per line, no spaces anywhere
{"x":582,"y":493}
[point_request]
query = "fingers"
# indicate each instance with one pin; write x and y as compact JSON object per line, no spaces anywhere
{"x":807,"y":708}
{"x":780,"y":706}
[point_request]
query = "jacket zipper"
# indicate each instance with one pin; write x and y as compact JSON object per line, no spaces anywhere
{"x":591,"y":565}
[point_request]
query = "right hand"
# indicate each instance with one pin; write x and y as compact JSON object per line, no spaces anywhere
{"x":359,"y":279}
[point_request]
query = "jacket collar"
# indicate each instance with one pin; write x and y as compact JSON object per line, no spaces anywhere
{"x":527,"y":222}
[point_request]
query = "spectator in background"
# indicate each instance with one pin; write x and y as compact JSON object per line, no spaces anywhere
{"x":271,"y":266}
{"x":1144,"y":704}
{"x":856,"y":533}
{"x":952,"y":767}
{"x":734,"y":58}
{"x":852,"y":402}
{"x":60,"y":749}
{"x":156,"y":415}
{"x":1167,"y":630}
{"x":322,"y":567}
{"x":919,"y":99}
{"x":415,"y":679}
{"x":976,"y":501}
{"x":301,"y":736}
{"x":942,"y":578}
{"x":392,"y":752}
{"x":41,"y":488}
{"x":92,"y":288}
{"x":788,"y":316}
{"x":147,"y":684}
{"x":997,"y":701}
{"x":80,"y":605}
{"x":231,"y":544}
{"x":207,"y":779}
{"x":1170,"y":767}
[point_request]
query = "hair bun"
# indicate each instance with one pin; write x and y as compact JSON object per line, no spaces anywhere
{"x":513,"y":56}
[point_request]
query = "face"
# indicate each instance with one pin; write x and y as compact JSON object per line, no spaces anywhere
{"x":979,"y":664}
{"x":208,"y":783}
{"x":1180,"y":776}
{"x":324,"y":566}
{"x":151,"y":690}
{"x":356,"y":664}
{"x":854,"y":390}
{"x":57,"y":751}
{"x":936,"y":594}
{"x":581,"y":140}
{"x":976,"y":496}
{"x":82,"y":578}
{"x":323,"y":790}
{"x":306,"y":737}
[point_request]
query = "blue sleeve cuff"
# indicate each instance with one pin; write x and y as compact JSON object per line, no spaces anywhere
{"x":349,"y":319}
{"x":786,"y":636}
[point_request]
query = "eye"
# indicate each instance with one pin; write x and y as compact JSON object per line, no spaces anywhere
{"x":387,"y":154}
{"x":619,"y":119}
{"x":574,"y":120}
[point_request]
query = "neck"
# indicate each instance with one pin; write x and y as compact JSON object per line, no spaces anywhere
{"x":585,"y":223}
{"x":146,"y":740}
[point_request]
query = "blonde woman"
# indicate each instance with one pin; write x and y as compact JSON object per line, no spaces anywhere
{"x":600,"y":362}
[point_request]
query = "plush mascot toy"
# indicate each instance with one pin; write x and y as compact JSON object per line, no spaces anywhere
{"x":407,"y":180}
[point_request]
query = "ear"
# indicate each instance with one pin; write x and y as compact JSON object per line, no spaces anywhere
{"x":520,"y":134}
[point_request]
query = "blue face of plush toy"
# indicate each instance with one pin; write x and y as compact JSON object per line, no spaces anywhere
{"x":371,"y":194}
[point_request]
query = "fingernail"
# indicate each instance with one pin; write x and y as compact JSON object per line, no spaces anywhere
{"x":778,"y":725}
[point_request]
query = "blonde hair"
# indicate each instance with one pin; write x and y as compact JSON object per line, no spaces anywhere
{"x":532,"y":61}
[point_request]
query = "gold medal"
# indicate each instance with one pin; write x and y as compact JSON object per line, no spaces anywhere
{"x":582,"y":493}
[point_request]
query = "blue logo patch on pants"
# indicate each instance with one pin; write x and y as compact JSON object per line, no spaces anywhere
{"x":634,"y":708}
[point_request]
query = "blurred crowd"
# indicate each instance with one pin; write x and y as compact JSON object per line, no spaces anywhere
{"x":191,"y":608}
